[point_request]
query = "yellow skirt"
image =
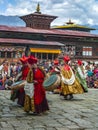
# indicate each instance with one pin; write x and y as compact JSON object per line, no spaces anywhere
{"x":75,"y":88}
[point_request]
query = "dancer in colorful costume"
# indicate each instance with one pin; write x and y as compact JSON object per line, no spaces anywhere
{"x":81,"y":75}
{"x":69,"y":83}
{"x":56,"y":71}
{"x":25,"y":70}
{"x":37,"y":103}
{"x":20,"y":93}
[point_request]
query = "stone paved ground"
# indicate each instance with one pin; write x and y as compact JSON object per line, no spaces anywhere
{"x":78,"y":114}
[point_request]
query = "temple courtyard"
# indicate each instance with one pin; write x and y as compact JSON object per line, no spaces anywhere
{"x":81,"y":113}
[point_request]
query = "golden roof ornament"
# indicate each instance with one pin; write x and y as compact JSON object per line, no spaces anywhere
{"x":38,"y":8}
{"x":69,"y":22}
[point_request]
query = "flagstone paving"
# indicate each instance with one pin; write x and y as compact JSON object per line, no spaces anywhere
{"x":81,"y":113}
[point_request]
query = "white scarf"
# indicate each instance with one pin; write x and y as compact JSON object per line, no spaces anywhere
{"x":69,"y":81}
{"x":1,"y":67}
{"x":80,"y":73}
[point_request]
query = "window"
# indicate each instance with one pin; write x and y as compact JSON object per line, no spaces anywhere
{"x":87,"y":51}
{"x":69,"y":50}
{"x":2,"y":54}
{"x":49,"y":56}
{"x":8,"y":54}
{"x":14,"y":55}
{"x":39,"y":55}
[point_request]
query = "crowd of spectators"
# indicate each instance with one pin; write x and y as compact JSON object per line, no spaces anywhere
{"x":10,"y":71}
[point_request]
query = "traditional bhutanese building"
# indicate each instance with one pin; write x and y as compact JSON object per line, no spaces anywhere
{"x":17,"y":41}
{"x":75,"y":27}
{"x":45,"y":42}
{"x":74,"y":48}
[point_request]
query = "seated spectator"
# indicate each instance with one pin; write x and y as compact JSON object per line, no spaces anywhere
{"x":1,"y":83}
{"x":8,"y":82}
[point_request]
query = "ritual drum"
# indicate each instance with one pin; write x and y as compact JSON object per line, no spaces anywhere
{"x":52,"y":82}
{"x":18,"y":85}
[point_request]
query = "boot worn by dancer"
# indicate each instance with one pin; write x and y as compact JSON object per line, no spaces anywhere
{"x":66,"y":97}
{"x":70,"y":96}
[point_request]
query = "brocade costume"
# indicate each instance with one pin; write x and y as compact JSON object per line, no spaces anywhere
{"x":71,"y":84}
{"x":81,"y":77}
{"x":38,"y":103}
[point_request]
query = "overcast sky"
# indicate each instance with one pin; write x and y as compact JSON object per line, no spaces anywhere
{"x":79,"y":11}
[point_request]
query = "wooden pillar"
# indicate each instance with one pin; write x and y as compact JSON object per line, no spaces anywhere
{"x":52,"y":56}
{"x":5,"y":54}
{"x":23,"y":53}
{"x":41,"y":56}
{"x":35,"y":54}
{"x":27,"y":51}
{"x":17,"y":54}
{"x":12,"y":56}
{"x":47,"y":56}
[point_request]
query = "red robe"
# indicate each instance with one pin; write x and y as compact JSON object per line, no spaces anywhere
{"x":21,"y":92}
{"x":40,"y":100}
{"x":25,"y":71}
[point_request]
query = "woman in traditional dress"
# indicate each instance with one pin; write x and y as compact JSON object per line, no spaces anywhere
{"x":38,"y":102}
{"x":1,"y":83}
{"x":95,"y":76}
{"x":90,"y":78}
{"x":69,"y":83}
